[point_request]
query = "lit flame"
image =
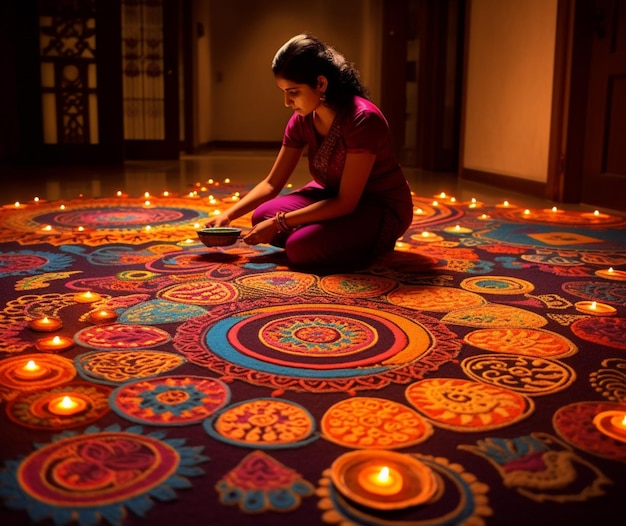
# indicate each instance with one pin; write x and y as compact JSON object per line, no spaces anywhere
{"x":383,"y":475}
{"x":31,"y":366}
{"x":67,"y":403}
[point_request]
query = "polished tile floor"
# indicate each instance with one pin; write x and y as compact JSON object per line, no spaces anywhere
{"x":245,"y":167}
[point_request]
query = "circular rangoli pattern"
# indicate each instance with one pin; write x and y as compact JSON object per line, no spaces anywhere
{"x":522,"y":341}
{"x":357,"y":285}
{"x":120,"y":466}
{"x":316,"y":346}
{"x":200,"y":293}
{"x":497,"y":285}
{"x":374,"y":423}
{"x":170,"y":400}
{"x":435,"y":299}
{"x":464,"y":405}
{"x":601,"y":291}
{"x":527,"y":375}
{"x":603,"y":330}
{"x":120,"y":336}
{"x":282,"y":282}
{"x":264,"y":423}
{"x":116,"y":367}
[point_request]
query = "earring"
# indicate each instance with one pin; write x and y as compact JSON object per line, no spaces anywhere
{"x":322,"y":97}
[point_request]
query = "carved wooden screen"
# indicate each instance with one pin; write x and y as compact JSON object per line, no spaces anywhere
{"x":69,"y":98}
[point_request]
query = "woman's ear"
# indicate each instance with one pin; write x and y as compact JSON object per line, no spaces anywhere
{"x":322,"y":83}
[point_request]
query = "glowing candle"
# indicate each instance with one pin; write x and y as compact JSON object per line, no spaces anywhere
{"x":419,"y":212}
{"x":427,"y":237}
{"x":595,"y":308}
{"x":380,"y":480}
{"x":103,"y":316}
{"x":67,"y":405}
{"x":484,"y":217}
{"x":30,"y":371}
{"x":611,"y":273}
{"x":595,"y":215}
{"x":86,"y":297}
{"x":45,"y":324}
{"x":54,"y":343}
{"x":612,"y":424}
{"x":619,"y":422}
{"x":457,"y":229}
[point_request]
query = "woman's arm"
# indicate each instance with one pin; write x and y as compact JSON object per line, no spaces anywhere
{"x":356,"y":172}
{"x":284,"y":165}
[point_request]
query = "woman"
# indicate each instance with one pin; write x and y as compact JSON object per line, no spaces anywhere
{"x":359,"y":202}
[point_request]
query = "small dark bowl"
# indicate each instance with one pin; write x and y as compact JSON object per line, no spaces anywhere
{"x":218,"y":236}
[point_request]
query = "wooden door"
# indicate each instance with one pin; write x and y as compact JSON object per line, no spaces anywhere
{"x":150,"y":79}
{"x":604,"y":164}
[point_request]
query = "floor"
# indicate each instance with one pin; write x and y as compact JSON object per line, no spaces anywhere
{"x":54,"y":183}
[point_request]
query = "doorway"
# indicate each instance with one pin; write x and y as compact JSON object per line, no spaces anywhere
{"x":604,"y":163}
{"x":150,"y":79}
{"x":422,"y":63}
{"x":590,"y":155}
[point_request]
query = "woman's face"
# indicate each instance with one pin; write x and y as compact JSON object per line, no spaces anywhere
{"x":301,"y":98}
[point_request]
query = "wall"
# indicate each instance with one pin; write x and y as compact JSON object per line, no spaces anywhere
{"x":246,"y":104}
{"x":509,"y":87}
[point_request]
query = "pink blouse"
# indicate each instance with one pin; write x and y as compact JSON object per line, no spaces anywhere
{"x":359,"y":128}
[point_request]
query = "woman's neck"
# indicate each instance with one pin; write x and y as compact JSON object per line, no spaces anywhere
{"x":323,"y":118}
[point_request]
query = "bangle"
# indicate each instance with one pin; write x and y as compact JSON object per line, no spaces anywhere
{"x":281,"y":222}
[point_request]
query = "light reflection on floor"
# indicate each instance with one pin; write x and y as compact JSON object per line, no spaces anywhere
{"x":245,"y":167}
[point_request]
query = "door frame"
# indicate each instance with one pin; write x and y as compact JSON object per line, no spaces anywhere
{"x":571,"y":85}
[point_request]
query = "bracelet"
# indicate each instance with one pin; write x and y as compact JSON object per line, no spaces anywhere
{"x":281,"y":222}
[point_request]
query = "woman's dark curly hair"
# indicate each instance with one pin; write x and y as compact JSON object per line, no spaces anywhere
{"x":304,"y":57}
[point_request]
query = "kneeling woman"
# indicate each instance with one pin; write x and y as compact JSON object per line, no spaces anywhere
{"x":358,"y":202}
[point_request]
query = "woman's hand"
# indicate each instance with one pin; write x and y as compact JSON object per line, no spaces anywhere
{"x":219,"y":220}
{"x":263,"y":232}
